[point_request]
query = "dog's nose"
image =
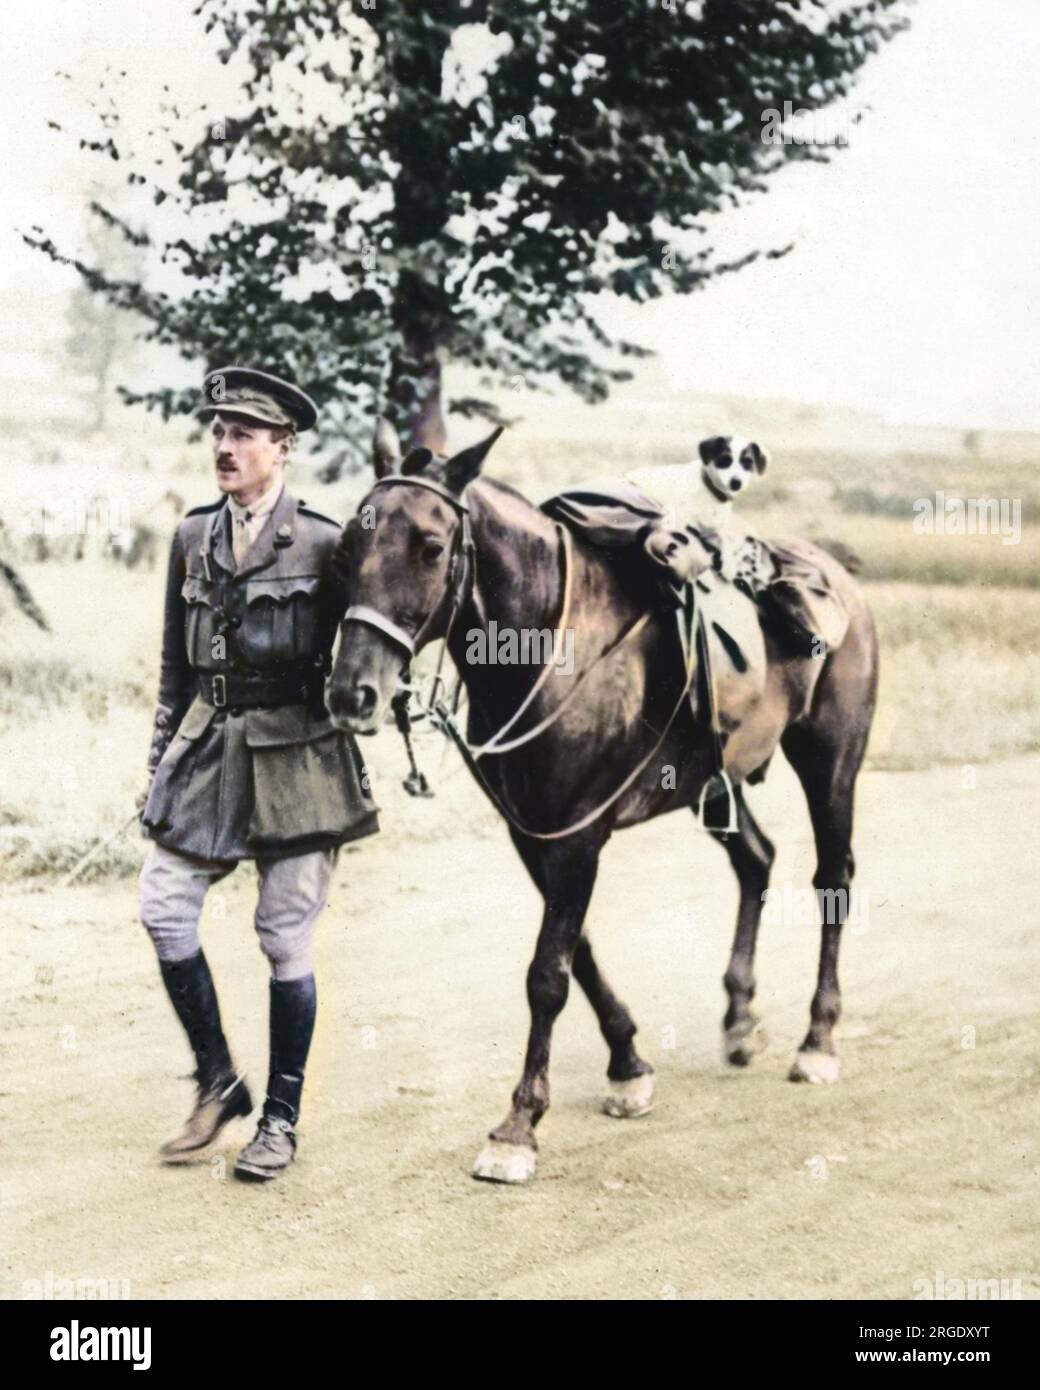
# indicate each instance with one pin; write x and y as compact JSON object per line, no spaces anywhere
{"x":735,"y":484}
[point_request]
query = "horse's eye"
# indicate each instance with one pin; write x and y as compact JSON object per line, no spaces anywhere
{"x":432,"y":551}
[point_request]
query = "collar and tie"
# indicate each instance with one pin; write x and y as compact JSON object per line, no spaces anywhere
{"x":248,"y":522}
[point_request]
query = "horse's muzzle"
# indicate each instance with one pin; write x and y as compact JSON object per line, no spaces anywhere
{"x":355,"y":707}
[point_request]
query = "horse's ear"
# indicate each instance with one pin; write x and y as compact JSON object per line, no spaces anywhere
{"x":463,"y":468}
{"x":415,"y":461}
{"x":386,"y":448}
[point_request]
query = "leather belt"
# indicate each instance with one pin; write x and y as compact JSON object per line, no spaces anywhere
{"x":232,"y":691}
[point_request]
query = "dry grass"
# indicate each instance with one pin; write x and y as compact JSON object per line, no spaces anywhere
{"x":959,"y":674}
{"x":959,"y":619}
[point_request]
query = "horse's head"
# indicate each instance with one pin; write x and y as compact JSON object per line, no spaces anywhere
{"x":402,"y":561}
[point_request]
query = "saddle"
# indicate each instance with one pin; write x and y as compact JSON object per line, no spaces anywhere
{"x":796,"y":603}
{"x":792,"y":600}
{"x":612,"y":515}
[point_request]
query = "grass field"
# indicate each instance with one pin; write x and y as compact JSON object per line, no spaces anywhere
{"x":958,"y":616}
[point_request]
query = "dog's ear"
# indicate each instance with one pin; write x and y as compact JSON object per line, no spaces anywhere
{"x":386,"y":448}
{"x":759,"y":458}
{"x":711,"y":448}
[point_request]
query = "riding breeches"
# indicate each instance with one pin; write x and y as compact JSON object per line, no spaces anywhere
{"x":293,"y":891}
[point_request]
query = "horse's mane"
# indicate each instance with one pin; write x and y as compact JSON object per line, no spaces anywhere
{"x":524,"y":538}
{"x":498,"y":485}
{"x":624,"y":571}
{"x":512,"y":503}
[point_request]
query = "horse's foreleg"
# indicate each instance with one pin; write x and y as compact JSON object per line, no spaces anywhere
{"x":632,"y":1079}
{"x":568,"y":873}
{"x":751,"y":854}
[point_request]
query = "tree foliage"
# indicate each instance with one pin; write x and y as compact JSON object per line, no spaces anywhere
{"x":408,"y":181}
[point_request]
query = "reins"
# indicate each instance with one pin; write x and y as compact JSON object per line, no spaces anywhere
{"x":462,"y":584}
{"x":442,"y":718}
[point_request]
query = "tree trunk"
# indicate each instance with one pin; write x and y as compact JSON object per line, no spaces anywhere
{"x":414,"y":399}
{"x":414,"y":390}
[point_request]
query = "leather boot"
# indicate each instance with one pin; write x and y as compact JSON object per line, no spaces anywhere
{"x":222,"y":1093}
{"x":293,"y":1008}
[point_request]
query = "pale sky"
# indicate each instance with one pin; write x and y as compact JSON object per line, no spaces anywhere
{"x":914,"y":286}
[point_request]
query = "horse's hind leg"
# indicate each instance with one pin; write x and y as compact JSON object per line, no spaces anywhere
{"x":751,"y":855}
{"x":826,"y":751}
{"x":631,"y":1078}
{"x":566,"y":875}
{"x":827,"y":771}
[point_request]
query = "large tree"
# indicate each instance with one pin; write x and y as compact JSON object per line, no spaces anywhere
{"x":463,"y":178}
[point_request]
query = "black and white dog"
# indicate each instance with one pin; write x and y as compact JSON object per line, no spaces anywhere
{"x":704,"y":494}
{"x":728,"y":464}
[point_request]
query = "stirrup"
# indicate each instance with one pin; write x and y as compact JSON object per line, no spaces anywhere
{"x":731,"y":827}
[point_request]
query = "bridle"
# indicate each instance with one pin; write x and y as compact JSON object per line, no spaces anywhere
{"x":462,"y":583}
{"x":461,"y":573}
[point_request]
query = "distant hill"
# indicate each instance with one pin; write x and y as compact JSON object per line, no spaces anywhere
{"x":666,"y":421}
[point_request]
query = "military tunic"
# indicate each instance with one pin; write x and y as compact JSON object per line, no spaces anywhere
{"x":233,"y":782}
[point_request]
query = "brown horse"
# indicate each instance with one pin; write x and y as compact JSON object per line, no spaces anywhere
{"x":434,"y":552}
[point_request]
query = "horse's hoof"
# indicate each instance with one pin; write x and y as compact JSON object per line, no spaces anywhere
{"x":500,"y":1162}
{"x":817,"y":1067}
{"x":628,"y":1099}
{"x":741,"y":1045}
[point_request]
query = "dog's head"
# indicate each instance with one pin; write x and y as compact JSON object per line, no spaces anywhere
{"x":728,"y":463}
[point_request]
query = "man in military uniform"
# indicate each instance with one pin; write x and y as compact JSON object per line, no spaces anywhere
{"x":245,"y":762}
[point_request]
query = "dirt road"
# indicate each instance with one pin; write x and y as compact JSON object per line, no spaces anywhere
{"x":923,"y":1159}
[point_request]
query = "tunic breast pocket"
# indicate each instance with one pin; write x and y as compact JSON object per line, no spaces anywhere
{"x":201,"y":599}
{"x":281,"y":619}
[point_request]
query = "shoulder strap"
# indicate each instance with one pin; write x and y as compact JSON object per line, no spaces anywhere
{"x":318,"y":516}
